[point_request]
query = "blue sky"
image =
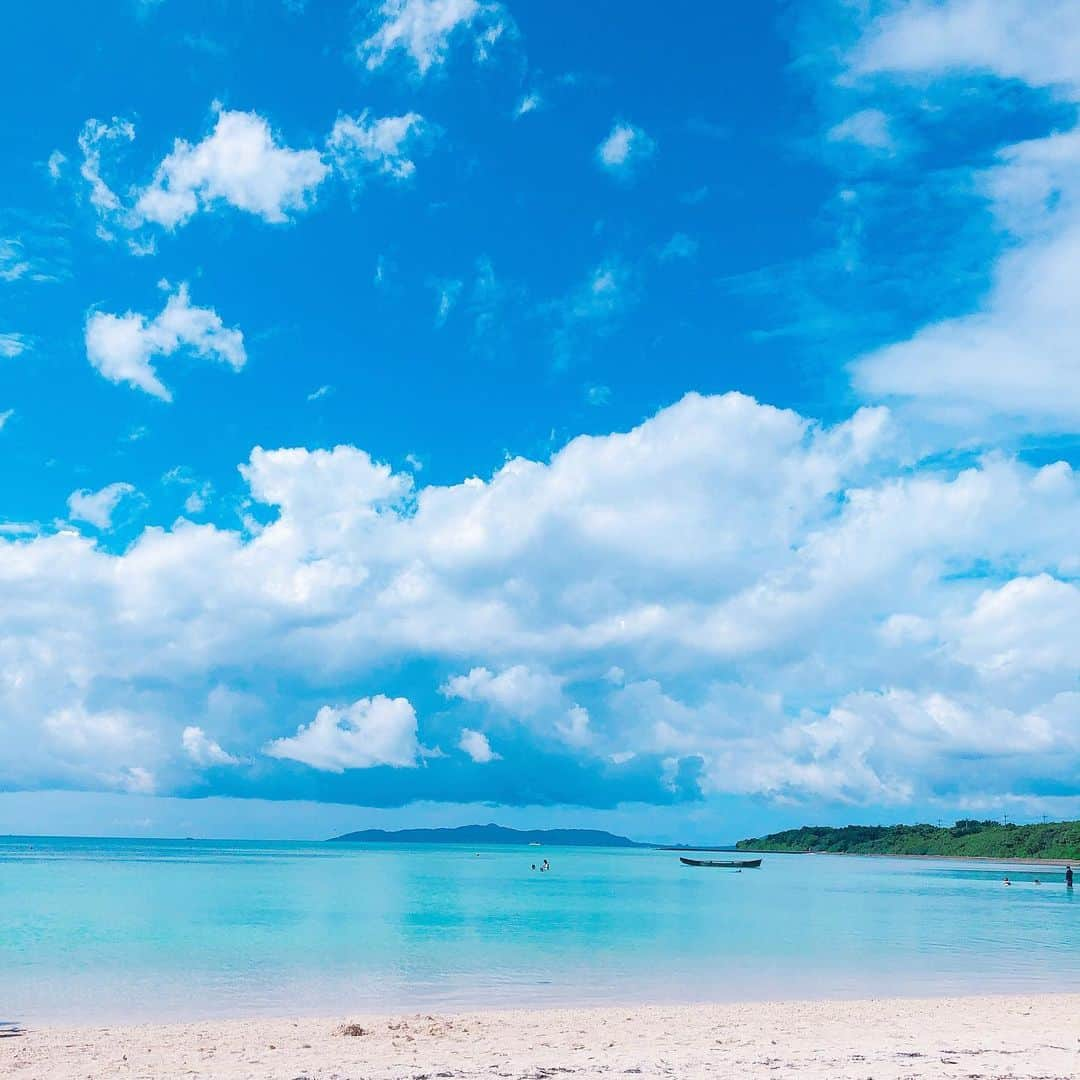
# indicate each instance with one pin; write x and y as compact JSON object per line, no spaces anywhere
{"x":434,"y":410}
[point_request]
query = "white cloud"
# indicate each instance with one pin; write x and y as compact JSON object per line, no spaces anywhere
{"x":794,"y":610}
{"x":17,"y":263}
{"x":240,"y":163}
{"x":591,"y":308}
{"x":1013,"y":359}
{"x":1016,"y":356}
{"x":140,"y":247}
{"x":423,"y":29}
{"x":122,"y":347}
{"x":516,"y":690}
{"x":1007,"y":38}
{"x":529,"y":103}
{"x":371,"y":731}
{"x":203,"y":750}
{"x":55,"y":164}
{"x":97,"y":507}
{"x":377,"y":145}
{"x":91,"y":138}
{"x":868,"y":128}
{"x":321,"y":392}
{"x":13,"y":261}
{"x":195,"y":503}
{"x":447,"y":293}
{"x":12,"y":345}
{"x":625,"y":146}
{"x":680,"y":246}
{"x":5,"y":416}
{"x":198,"y":492}
{"x":106,"y":748}
{"x":574,"y":728}
{"x":527,"y":695}
{"x":476,"y":745}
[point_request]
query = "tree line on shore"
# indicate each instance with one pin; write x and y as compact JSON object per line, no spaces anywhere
{"x":968,"y":837}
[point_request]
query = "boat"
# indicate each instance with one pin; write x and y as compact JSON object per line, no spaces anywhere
{"x":733,"y":864}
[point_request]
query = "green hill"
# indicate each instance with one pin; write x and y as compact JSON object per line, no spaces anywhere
{"x":974,"y":839}
{"x":489,"y":834}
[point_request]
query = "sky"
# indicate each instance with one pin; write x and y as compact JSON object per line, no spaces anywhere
{"x":419,"y":412}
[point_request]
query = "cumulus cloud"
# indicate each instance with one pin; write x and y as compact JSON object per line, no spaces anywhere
{"x":369,"y":732}
{"x":105,"y":748}
{"x":121,"y":347}
{"x":240,"y":163}
{"x":97,"y":507}
{"x":517,"y":690}
{"x":525,"y":694}
{"x":476,"y":745}
{"x":423,"y":29}
{"x":624,"y":147}
{"x":366,"y":144}
{"x":5,"y":416}
{"x":244,"y":164}
{"x":203,"y":750}
{"x":728,"y":597}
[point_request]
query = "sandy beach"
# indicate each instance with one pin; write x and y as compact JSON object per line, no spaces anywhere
{"x":982,"y":1037}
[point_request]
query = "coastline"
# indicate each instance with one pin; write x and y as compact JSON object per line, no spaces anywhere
{"x":1017,"y":1036}
{"x":996,"y":860}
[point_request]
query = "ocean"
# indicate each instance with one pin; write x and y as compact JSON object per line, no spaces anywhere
{"x":110,"y":931}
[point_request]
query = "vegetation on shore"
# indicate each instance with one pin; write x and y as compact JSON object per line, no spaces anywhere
{"x":974,"y":839}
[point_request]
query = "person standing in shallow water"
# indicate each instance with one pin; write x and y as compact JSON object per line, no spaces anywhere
{"x":1068,"y":877}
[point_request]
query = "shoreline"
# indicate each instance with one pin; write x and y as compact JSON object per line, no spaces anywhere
{"x":997,"y":859}
{"x":1027,"y":1035}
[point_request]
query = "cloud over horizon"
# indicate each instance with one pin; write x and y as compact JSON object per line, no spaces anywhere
{"x":790,"y":599}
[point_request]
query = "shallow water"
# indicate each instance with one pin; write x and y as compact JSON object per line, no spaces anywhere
{"x":123,"y":930}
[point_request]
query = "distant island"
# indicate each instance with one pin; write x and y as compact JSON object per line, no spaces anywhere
{"x":490,"y":834}
{"x":967,"y":838}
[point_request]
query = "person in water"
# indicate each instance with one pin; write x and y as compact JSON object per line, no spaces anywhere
{"x":1068,"y":877}
{"x":546,"y":865}
{"x":1006,"y":882}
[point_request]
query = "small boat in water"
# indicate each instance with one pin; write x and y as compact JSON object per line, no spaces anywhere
{"x":734,"y":864}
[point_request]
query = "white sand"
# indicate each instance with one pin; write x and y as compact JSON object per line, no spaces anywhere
{"x":1036,"y":1036}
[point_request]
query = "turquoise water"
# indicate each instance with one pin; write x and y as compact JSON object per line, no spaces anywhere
{"x":113,"y":930}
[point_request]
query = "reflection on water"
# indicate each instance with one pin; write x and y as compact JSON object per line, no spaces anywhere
{"x":116,"y":930}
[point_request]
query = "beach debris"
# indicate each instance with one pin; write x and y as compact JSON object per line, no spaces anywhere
{"x":353,"y":1029}
{"x":10,"y":1031}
